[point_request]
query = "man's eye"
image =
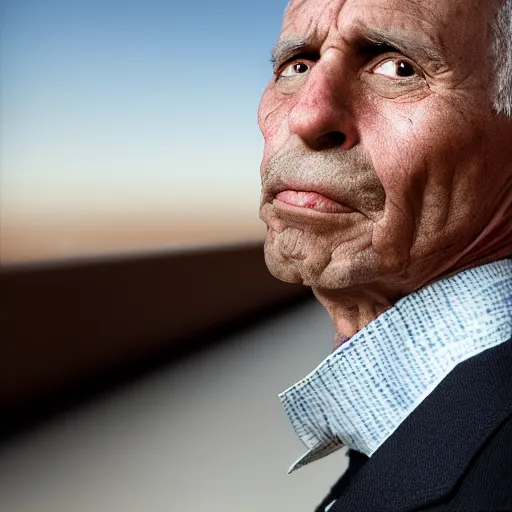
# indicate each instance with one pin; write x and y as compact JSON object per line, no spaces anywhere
{"x":294,"y":69}
{"x":395,"y":68}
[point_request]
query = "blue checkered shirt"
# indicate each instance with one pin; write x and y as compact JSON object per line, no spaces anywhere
{"x":366,"y":388}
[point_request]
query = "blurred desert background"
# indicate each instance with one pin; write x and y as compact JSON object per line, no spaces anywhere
{"x":130,"y":127}
{"x":28,"y":239}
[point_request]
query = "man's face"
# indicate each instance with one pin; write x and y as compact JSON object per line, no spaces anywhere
{"x":383,"y":155}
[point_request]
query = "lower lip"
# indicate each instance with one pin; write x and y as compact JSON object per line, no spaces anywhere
{"x":311,"y":201}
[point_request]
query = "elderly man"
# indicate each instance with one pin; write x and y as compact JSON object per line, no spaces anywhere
{"x":387,"y":188}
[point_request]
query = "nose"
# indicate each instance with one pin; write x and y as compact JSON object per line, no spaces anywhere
{"x":320,"y":115}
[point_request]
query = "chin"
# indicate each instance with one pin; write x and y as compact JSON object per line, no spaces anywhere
{"x":328,"y":271}
{"x":308,"y":271}
{"x":282,"y":268}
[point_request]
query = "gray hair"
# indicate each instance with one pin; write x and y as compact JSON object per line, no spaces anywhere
{"x":502,"y":53}
{"x":502,"y":50}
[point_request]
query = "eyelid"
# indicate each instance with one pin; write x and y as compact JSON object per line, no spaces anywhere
{"x":396,"y":57}
{"x":285,"y":68}
{"x":299,"y":57}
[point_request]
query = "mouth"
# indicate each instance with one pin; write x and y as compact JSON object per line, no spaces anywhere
{"x":310,"y":200}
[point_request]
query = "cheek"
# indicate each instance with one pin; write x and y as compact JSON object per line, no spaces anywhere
{"x":410,"y":144}
{"x":394,"y":146}
{"x":272,"y":119}
{"x":429,"y":161}
{"x":269,"y":118}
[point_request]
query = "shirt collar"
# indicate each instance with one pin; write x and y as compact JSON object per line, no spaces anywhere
{"x":364,"y":390}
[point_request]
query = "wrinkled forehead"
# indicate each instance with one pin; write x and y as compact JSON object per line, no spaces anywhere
{"x":299,"y":13}
{"x":439,"y":18}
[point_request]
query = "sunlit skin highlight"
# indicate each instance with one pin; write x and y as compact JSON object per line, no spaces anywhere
{"x":385,"y":167}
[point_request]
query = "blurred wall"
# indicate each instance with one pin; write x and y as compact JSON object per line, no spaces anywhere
{"x":65,"y":327}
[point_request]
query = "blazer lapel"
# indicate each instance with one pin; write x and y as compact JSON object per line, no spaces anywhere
{"x":429,"y":452}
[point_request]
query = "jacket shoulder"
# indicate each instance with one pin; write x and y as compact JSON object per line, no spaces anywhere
{"x":487,"y":482}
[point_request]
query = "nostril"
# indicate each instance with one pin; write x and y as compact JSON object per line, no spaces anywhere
{"x":331,"y":140}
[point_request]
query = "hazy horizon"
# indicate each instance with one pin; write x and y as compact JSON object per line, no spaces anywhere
{"x":116,"y":111}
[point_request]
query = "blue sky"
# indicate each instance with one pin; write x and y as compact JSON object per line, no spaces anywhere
{"x":149,"y":104}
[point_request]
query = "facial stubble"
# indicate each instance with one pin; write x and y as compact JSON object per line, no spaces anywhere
{"x":331,"y":251}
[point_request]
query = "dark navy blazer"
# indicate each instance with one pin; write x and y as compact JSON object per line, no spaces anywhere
{"x":453,"y":453}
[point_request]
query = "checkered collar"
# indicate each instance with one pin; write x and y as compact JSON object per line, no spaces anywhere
{"x":364,"y":390}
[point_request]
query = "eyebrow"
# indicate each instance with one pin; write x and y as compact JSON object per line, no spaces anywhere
{"x":421,"y":48}
{"x":287,"y":48}
{"x":426,"y":50}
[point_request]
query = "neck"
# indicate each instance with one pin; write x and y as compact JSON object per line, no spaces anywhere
{"x":495,"y":243}
{"x":351,"y":312}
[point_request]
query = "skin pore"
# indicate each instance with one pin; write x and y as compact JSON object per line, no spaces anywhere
{"x":385,"y":166}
